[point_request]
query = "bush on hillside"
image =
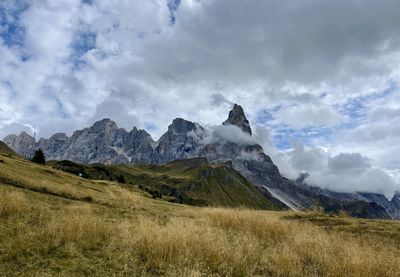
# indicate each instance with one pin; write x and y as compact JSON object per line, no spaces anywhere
{"x":121,"y":179}
{"x":39,"y":157}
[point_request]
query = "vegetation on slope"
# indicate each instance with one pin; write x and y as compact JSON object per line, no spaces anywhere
{"x":192,"y":182}
{"x":50,"y":227}
{"x":5,"y":150}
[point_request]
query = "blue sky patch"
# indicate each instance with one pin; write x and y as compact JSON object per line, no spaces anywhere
{"x":88,"y":2}
{"x":357,"y":109}
{"x":83,"y":42}
{"x":12,"y":33}
{"x":173,"y":6}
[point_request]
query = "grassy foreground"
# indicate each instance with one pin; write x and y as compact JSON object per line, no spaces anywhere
{"x":56,"y":224}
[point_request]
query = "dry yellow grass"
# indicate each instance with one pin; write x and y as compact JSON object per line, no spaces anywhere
{"x":43,"y":238}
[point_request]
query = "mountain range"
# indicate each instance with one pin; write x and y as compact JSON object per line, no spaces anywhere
{"x":231,"y":142}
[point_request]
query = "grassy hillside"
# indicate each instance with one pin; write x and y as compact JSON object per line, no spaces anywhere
{"x":192,"y":182}
{"x":55,"y":224}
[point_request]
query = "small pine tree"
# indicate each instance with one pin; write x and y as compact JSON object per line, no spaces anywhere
{"x":39,"y":157}
{"x":121,"y":179}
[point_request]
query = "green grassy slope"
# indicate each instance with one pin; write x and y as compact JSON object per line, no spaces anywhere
{"x":192,"y":182}
{"x":19,"y":173}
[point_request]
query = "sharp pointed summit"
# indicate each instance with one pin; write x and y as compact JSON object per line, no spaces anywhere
{"x":238,"y":118}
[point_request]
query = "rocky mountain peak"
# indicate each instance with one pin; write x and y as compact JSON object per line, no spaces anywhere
{"x":23,"y":144}
{"x":238,"y":118}
{"x":181,"y":126}
{"x":104,"y":124}
{"x":25,"y":135}
{"x":135,"y":130}
{"x":59,"y":136}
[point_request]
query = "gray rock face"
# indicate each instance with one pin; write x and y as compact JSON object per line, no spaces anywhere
{"x":238,"y":118}
{"x":97,"y":144}
{"x":55,"y":145}
{"x":23,"y":144}
{"x":104,"y":143}
{"x":181,"y":141}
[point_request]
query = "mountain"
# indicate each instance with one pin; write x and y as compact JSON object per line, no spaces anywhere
{"x":237,"y":118}
{"x":230,"y":142}
{"x":392,"y":207}
{"x":191,"y":181}
{"x":23,"y":144}
{"x":103,"y":142}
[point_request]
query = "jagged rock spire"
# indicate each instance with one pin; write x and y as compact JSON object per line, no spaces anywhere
{"x":238,"y":118}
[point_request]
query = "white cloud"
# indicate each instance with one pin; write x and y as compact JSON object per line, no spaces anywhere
{"x":32,"y":129}
{"x":344,"y":172}
{"x":211,"y":50}
{"x":312,"y":115}
{"x":263,"y":137}
{"x":229,"y":133}
{"x":337,"y":171}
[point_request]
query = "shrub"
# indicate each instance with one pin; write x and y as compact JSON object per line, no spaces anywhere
{"x":121,"y":179}
{"x":39,"y":157}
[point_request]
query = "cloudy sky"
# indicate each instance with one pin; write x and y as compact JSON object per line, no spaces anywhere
{"x":319,"y":80}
